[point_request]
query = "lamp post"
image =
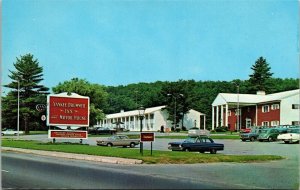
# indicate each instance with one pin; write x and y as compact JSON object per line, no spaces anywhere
{"x":18,"y":120}
{"x":141,"y":117}
{"x":175,"y":98}
{"x":238,"y":108}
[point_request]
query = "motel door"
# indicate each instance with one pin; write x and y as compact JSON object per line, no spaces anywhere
{"x":248,"y":123}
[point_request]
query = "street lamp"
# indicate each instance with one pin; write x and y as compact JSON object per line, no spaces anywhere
{"x":141,"y":111}
{"x":238,"y":108}
{"x":18,"y":121}
{"x":175,"y":96}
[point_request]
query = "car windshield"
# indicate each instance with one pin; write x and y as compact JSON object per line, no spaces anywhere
{"x":264,"y":131}
{"x":190,"y":139}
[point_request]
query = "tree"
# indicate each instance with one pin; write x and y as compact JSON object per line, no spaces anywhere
{"x":26,"y":78}
{"x":177,"y":99}
{"x":96,"y":92}
{"x":259,"y":80}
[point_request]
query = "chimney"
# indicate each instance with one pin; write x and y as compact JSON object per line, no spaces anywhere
{"x":261,"y":92}
{"x":122,"y":111}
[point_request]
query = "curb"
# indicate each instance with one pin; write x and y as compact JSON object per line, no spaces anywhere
{"x":111,"y":160}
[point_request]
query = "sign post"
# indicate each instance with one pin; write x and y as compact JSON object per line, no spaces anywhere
{"x":67,"y":110}
{"x":148,"y":137}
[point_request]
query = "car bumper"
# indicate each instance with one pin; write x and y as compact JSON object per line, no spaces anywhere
{"x":175,"y":148}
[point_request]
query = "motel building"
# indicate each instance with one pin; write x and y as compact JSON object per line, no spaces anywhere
{"x":255,"y":109}
{"x":154,"y":118}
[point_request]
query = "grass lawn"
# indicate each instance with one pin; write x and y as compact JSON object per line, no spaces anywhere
{"x":161,"y":157}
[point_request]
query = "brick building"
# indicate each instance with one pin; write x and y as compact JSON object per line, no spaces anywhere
{"x":256,"y":109}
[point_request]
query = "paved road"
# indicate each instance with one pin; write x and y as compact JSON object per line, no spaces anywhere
{"x":283,"y":174}
{"x":31,"y":171}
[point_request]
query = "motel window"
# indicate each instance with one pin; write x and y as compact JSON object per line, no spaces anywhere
{"x":265,"y":123}
{"x":229,"y":112}
{"x":151,"y":116}
{"x":265,"y":108}
{"x":295,"y":106}
{"x":275,"y":107}
{"x":274,"y":123}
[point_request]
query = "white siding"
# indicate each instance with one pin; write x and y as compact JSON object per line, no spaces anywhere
{"x":287,"y":114}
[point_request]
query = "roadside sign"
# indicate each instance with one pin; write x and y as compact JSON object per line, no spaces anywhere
{"x":40,"y":107}
{"x":67,"y":134}
{"x":68,"y":110}
{"x":43,"y":118}
{"x":147,"y":137}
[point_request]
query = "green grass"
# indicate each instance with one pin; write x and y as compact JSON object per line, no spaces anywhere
{"x":162,"y":157}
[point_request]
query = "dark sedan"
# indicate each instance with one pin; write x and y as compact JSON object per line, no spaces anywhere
{"x":197,"y":144}
{"x":102,"y":131}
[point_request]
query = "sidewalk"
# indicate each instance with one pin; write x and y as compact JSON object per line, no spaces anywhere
{"x":111,"y":160}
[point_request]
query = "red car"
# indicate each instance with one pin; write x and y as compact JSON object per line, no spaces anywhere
{"x":248,"y":130}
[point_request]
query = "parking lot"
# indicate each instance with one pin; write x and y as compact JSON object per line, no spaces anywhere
{"x":234,"y":147}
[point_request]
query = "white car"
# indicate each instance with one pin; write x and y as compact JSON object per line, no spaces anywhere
{"x":292,"y":135}
{"x":10,"y":132}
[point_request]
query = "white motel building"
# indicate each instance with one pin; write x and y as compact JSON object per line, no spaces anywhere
{"x":154,"y":118}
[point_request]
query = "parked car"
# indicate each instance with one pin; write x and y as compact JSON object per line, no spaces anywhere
{"x":292,"y":135}
{"x":101,"y":131}
{"x":196,"y":143}
{"x":251,"y":135}
{"x":198,"y":132}
{"x":10,"y":132}
{"x":119,"y":140}
{"x":269,"y":134}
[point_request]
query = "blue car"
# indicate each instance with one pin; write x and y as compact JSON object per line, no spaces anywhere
{"x":200,"y":144}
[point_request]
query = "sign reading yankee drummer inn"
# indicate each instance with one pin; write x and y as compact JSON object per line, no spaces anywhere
{"x":67,"y":110}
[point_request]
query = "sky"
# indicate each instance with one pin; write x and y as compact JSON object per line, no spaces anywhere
{"x":120,"y":42}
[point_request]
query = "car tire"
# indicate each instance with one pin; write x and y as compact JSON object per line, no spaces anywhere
{"x":287,"y":142}
{"x":243,"y":140}
{"x":187,"y":150}
{"x":213,"y":151}
{"x":202,"y":151}
{"x":2,"y":134}
{"x":252,"y":139}
{"x":109,"y":144}
{"x":270,"y":139}
{"x":132,"y":145}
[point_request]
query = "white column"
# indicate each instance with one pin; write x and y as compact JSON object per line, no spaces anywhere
{"x":213,"y":117}
{"x":204,"y":122}
{"x":200,"y":122}
{"x":226,"y":115}
{"x":149,"y":124}
{"x":217,"y":120}
{"x":134,"y":123}
{"x":222,"y":115}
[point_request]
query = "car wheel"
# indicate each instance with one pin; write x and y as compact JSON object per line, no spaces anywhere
{"x":252,"y":139}
{"x":243,"y":140}
{"x":132,"y":145}
{"x":109,"y":144}
{"x":201,"y":151}
{"x":286,"y":142}
{"x":187,"y":150}
{"x":213,"y":151}
{"x":2,"y":134}
{"x":270,"y":139}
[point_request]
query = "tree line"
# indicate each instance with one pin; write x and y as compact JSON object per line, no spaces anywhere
{"x":186,"y":94}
